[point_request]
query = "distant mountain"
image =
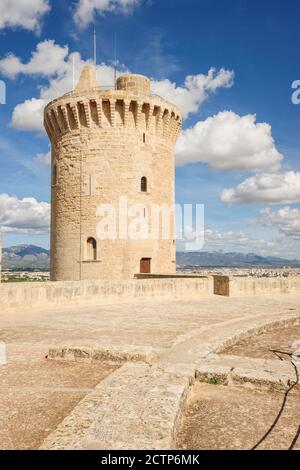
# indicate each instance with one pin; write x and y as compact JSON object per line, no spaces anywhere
{"x":31,"y":257}
{"x":217,"y":259}
{"x":25,"y":258}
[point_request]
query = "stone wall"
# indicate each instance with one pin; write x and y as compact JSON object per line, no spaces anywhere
{"x":235,"y":286}
{"x":28,"y":295}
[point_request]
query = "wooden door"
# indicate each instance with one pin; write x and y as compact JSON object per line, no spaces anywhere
{"x":145,"y":267}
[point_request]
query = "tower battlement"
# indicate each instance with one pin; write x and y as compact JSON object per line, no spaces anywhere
{"x":107,"y":144}
{"x":131,"y":105}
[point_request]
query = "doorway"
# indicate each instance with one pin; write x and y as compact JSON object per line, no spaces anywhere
{"x":145,"y":266}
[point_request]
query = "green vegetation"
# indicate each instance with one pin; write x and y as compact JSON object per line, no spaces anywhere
{"x":14,"y":278}
{"x":214,"y":380}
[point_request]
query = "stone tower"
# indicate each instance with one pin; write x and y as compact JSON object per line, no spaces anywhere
{"x":108,"y":144}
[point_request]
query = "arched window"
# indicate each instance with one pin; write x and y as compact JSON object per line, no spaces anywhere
{"x":144,"y":184}
{"x":54,"y":174}
{"x":91,"y":249}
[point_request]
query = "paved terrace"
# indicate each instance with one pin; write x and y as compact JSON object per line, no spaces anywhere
{"x":161,"y":343}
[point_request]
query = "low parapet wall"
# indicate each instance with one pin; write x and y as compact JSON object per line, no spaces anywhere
{"x":27,"y":295}
{"x":236,"y":286}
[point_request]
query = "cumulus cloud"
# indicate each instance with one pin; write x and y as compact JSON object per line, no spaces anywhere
{"x":287,"y":220}
{"x":245,"y":243}
{"x":86,"y":9}
{"x":28,"y":116}
{"x":195,"y":90}
{"x":236,"y":240}
{"x":230,"y":241}
{"x":25,"y":14}
{"x":39,"y":64}
{"x":44,"y":158}
{"x":24,"y":215}
{"x":228,"y":141}
{"x":270,"y":188}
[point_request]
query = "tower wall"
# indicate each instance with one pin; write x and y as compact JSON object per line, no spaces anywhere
{"x":103,"y":143}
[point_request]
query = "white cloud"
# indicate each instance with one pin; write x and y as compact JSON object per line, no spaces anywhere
{"x":86,"y":9}
{"x":241,"y":242}
{"x":195,"y":90}
{"x":287,"y":220}
{"x":270,"y":188}
{"x":25,"y":14}
{"x":28,"y":116}
{"x":236,"y":241}
{"x":47,"y":60}
{"x":63,"y":81}
{"x":231,"y":241}
{"x":44,"y":158}
{"x":24,"y":215}
{"x":228,"y":141}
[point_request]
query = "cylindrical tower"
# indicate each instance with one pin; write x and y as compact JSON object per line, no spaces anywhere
{"x":108,"y":145}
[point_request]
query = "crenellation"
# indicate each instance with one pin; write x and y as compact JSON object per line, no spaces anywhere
{"x":126,"y":112}
{"x":74,"y":109}
{"x":51,"y":125}
{"x":139,"y":106}
{"x":48,"y":128}
{"x":60,"y":120}
{"x":99,"y":112}
{"x":86,"y":108}
{"x":106,"y":113}
{"x":159,"y":121}
{"x":151,"y":119}
{"x":81,"y":114}
{"x":133,"y":113}
{"x":114,"y":112}
{"x":65,"y":118}
{"x":120,"y":110}
{"x":166,"y":123}
{"x":58,"y":124}
{"x":112,"y":105}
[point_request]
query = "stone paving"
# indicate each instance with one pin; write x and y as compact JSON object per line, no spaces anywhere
{"x":224,"y":418}
{"x":235,"y":417}
{"x":138,"y":406}
{"x":261,"y":345}
{"x":36,"y":395}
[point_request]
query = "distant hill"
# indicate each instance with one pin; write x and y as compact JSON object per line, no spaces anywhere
{"x":25,"y":258}
{"x":31,"y":257}
{"x":217,"y":259}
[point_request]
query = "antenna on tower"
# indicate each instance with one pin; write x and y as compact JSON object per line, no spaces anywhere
{"x":115,"y":62}
{"x":95,"y":49}
{"x":73,"y":63}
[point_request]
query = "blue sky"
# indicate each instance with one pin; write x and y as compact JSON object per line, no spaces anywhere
{"x":241,"y":129}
